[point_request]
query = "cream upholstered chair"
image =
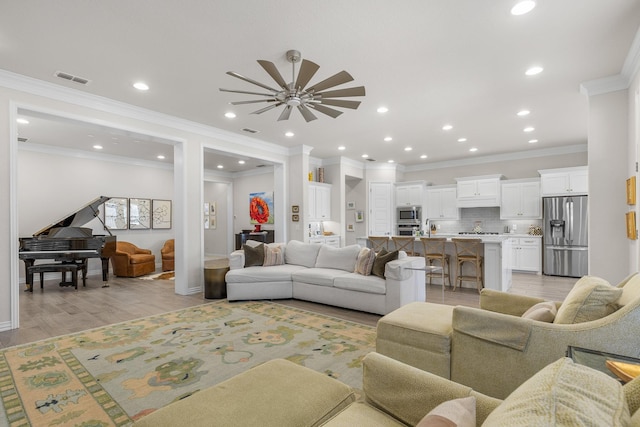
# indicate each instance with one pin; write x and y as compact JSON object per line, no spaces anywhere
{"x":469,"y":251}
{"x":378,"y":243}
{"x":404,"y":243}
{"x":433,"y":249}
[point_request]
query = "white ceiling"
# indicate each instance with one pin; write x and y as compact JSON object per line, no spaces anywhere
{"x":430,"y":62}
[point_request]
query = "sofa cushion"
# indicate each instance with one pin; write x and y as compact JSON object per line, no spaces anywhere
{"x":358,"y":282}
{"x":141,"y":258}
{"x":318,"y":276}
{"x":338,"y":258}
{"x":382,"y":258}
{"x":299,"y":253}
{"x":277,"y":273}
{"x":364,"y":262}
{"x":253,"y":255}
{"x":564,"y":393}
{"x":452,"y":413}
{"x":543,"y":312}
{"x":591,"y":298}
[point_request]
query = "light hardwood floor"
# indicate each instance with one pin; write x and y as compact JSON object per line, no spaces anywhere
{"x":58,"y":311}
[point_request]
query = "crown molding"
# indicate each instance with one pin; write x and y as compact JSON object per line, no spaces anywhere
{"x":546,"y":152}
{"x":73,"y":96}
{"x":299,"y":149}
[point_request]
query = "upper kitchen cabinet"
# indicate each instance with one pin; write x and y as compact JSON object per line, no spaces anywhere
{"x":319,"y":208}
{"x":410,"y":194}
{"x":521,"y":199}
{"x":478,"y":191}
{"x":565,"y":181}
{"x":442,"y":203}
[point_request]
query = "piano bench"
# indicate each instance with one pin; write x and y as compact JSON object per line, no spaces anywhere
{"x":55,"y":268}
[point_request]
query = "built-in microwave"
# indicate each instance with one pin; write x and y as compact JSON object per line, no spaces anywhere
{"x":409,"y":215}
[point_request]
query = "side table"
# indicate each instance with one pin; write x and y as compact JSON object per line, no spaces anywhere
{"x":215,"y":286}
{"x":597,"y":359}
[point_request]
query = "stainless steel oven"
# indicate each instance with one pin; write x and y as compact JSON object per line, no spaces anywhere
{"x":407,"y":229}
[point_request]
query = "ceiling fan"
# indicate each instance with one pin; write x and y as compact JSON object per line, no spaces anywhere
{"x":295,"y":94}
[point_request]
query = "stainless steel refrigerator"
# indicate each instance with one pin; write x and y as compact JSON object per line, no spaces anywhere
{"x":564,"y":237}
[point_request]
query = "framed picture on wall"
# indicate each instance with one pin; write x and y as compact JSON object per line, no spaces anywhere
{"x":207,"y":206}
{"x":161,"y":214}
{"x":212,"y":206}
{"x":139,"y":214}
{"x":213,"y":223}
{"x":351,"y":205}
{"x":350,"y":227}
{"x":631,"y":225}
{"x":359,"y":216}
{"x":206,"y":222}
{"x":116,"y":213}
{"x":631,"y":191}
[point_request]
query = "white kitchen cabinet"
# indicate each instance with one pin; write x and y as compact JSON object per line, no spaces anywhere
{"x":565,"y":181}
{"x":526,"y":254}
{"x":478,"y":191}
{"x":319,"y":207}
{"x":521,"y":199}
{"x":442,"y":203}
{"x":409,"y":194}
{"x":333,"y":241}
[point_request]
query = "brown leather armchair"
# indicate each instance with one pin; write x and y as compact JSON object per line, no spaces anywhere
{"x":167,"y":252}
{"x":131,"y":261}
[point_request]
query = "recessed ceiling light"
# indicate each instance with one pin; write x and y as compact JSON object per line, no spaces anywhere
{"x":447,"y":127}
{"x":161,"y":157}
{"x":388,"y":139}
{"x":220,"y":167}
{"x":22,"y":121}
{"x":533,"y":141}
{"x":390,"y":161}
{"x":523,"y":113}
{"x":462,"y":139}
{"x":529,"y":129}
{"x":473,"y":149}
{"x":242,"y":162}
{"x":523,"y":7}
{"x":230,"y":115}
{"x":289,"y":134}
{"x":342,"y":148}
{"x":141,"y":86}
{"x":534,"y":70}
{"x":382,"y":109}
{"x":364,"y":156}
{"x":408,"y":148}
{"x":98,"y":147}
{"x":424,"y":156}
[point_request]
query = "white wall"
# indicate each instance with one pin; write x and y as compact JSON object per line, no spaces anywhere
{"x":216,"y":237}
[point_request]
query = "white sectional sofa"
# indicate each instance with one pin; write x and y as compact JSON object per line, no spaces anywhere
{"x":324,"y":274}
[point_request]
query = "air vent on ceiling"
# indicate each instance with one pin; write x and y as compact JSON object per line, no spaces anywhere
{"x":260,"y":166}
{"x":20,"y":139}
{"x":72,"y":78}
{"x":250,"y":130}
{"x":371,"y":160}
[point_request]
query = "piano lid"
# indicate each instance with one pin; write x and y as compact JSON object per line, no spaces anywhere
{"x":78,"y":218}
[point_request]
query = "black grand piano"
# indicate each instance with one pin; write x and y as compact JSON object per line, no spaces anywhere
{"x":66,"y":241}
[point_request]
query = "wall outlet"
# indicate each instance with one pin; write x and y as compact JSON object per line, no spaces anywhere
{"x":439,"y":226}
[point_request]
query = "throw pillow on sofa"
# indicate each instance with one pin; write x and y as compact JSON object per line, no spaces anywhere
{"x":273,"y":255}
{"x":452,"y":413}
{"x":381,"y":261}
{"x":364,"y":262}
{"x":543,"y":312}
{"x":253,"y":256}
{"x":338,"y":258}
{"x":591,"y":298}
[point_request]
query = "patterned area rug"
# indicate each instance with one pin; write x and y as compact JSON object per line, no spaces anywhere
{"x":113,"y":375}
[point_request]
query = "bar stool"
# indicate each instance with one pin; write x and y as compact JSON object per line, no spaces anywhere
{"x":433,"y":248}
{"x":404,"y":243}
{"x":469,"y":251}
{"x":378,"y":243}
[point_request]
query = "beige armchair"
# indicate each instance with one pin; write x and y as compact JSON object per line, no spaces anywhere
{"x":167,"y":252}
{"x":494,"y":350}
{"x":131,"y":261}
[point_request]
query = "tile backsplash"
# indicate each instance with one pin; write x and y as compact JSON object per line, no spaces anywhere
{"x":489,"y":220}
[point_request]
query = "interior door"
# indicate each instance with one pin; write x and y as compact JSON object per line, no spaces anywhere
{"x":380,"y":213}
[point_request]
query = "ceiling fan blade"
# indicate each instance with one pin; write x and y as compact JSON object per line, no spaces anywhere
{"x":307,"y":70}
{"x":341,"y":103}
{"x":245,"y":92}
{"x":270,"y":107}
{"x":271,"y":69}
{"x":285,"y":113}
{"x":247,"y":79}
{"x":255,"y":101}
{"x":326,"y":110}
{"x":335,"y":80}
{"x":308,"y":115}
{"x":352,"y":91}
